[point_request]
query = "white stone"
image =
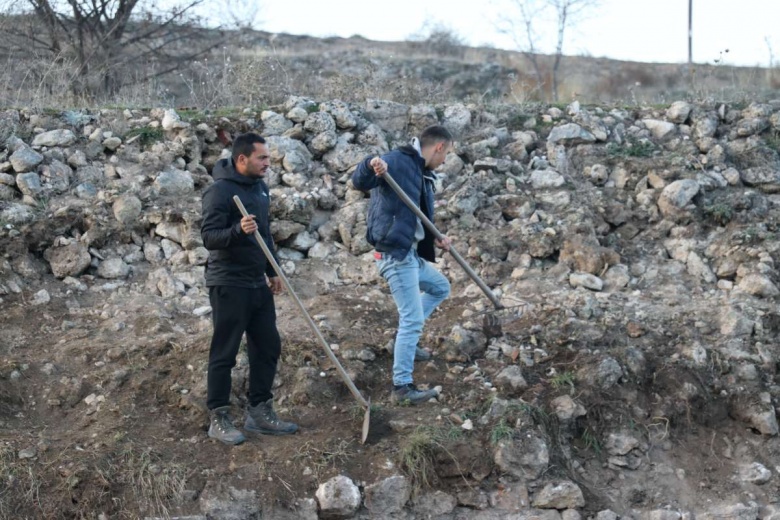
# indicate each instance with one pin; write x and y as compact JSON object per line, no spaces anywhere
{"x":41,"y":297}
{"x":54,"y":138}
{"x":339,"y":497}
{"x":202,"y":311}
{"x":541,"y":179}
{"x":586,"y":280}
{"x":659,"y":129}
{"x":678,"y":112}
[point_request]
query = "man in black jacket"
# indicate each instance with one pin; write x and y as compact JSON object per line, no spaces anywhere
{"x":241,"y":287}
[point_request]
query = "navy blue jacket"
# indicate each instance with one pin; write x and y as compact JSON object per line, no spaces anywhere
{"x":391,"y":224}
{"x":235,"y":258}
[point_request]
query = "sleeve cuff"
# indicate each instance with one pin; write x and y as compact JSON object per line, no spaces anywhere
{"x":237,"y":229}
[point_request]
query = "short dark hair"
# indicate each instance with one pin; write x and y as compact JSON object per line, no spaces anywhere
{"x":435,"y":134}
{"x":244,"y":144}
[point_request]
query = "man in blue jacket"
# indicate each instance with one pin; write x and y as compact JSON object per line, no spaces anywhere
{"x":241,"y":286}
{"x":404,"y":248}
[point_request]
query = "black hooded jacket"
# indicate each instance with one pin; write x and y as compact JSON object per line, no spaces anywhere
{"x":235,"y":258}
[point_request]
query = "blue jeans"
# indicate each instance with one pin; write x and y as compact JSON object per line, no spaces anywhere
{"x":407,"y":278}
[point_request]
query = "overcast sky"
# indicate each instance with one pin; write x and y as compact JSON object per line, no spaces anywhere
{"x":636,"y":30}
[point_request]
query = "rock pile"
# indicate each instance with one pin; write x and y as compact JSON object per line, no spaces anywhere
{"x":650,"y":236}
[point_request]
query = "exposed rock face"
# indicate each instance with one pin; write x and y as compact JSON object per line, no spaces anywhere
{"x":636,"y":253}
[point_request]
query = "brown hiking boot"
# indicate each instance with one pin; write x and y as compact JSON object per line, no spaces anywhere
{"x":262,"y":419}
{"x":222,"y":428}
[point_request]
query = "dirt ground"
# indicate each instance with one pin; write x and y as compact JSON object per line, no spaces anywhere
{"x":108,"y":389}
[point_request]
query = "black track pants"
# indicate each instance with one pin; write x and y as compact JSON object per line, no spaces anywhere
{"x":236,"y":310}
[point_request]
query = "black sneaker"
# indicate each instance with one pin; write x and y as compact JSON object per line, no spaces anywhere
{"x":221,"y":427}
{"x":262,"y":419}
{"x":409,"y":394}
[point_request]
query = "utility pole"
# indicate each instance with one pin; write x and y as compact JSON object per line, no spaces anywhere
{"x":690,"y":33}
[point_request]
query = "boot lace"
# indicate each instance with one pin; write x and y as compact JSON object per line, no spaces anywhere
{"x":223,"y":422}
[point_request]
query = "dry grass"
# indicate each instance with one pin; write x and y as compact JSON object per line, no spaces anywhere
{"x":320,"y":459}
{"x":154,"y":484}
{"x":419,"y":453}
{"x":20,"y":484}
{"x":418,"y":458}
{"x":257,"y":70}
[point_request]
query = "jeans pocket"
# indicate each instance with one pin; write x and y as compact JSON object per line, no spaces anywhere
{"x":384,"y":263}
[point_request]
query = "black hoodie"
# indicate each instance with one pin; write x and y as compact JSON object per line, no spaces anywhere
{"x":235,"y":258}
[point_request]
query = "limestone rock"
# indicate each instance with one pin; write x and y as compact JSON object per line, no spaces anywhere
{"x":570,"y":134}
{"x":198,"y":256}
{"x":434,"y":504}
{"x":542,"y":179}
{"x":388,"y":115}
{"x":25,"y":159}
{"x":758,"y":285}
{"x":174,"y":182}
{"x":731,"y":512}
{"x":620,"y":443}
{"x":511,"y":379}
{"x":341,"y":113}
{"x":659,"y":129}
{"x":677,"y":196}
{"x":274,"y":124}
{"x":225,"y":502}
{"x":468,"y":343}
{"x":567,"y":409}
{"x":560,"y":495}
{"x":127,"y":210}
{"x":29,"y":184}
{"x":320,"y":122}
{"x":525,"y":457}
{"x":162,"y":281}
{"x":755,"y":473}
{"x":54,"y":138}
{"x":757,"y":414}
{"x":56,"y":176}
{"x":678,"y":112}
{"x":605,"y":374}
{"x":303,"y":241}
{"x":112,"y":143}
{"x":171,"y":120}
{"x":41,"y":297}
{"x":302,"y":509}
{"x":699,"y":269}
{"x":456,"y":119}
{"x":586,"y":280}
{"x":324,"y":142}
{"x":704,"y":125}
{"x":587,"y":256}
{"x":388,"y":496}
{"x":68,"y":260}
{"x":113,"y":268}
{"x":421,"y":117}
{"x":339,"y":497}
{"x":734,"y":323}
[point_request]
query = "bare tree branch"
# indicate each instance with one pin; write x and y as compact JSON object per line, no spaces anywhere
{"x":520,"y":20}
{"x":102,"y":36}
